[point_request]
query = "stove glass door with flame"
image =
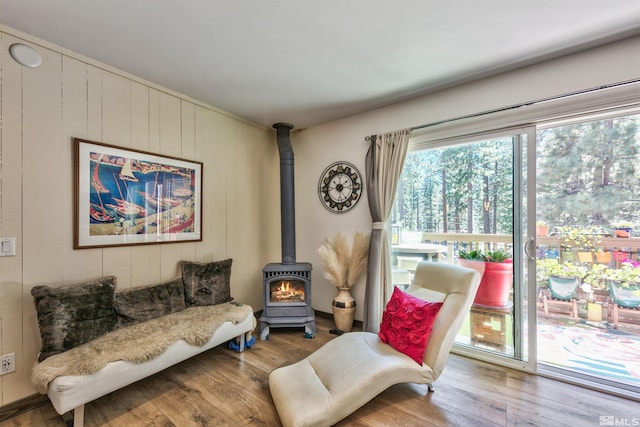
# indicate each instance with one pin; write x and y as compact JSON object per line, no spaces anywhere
{"x":287,"y":291}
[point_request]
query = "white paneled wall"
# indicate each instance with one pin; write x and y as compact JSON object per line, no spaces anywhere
{"x":41,"y":110}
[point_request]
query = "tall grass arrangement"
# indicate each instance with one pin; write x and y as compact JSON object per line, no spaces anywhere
{"x":344,"y":263}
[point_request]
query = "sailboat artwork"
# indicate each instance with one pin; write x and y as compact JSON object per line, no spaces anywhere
{"x":134,"y":197}
{"x":97,"y":210}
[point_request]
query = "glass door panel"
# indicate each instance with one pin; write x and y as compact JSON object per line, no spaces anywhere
{"x":588,"y":250}
{"x":457,"y":203}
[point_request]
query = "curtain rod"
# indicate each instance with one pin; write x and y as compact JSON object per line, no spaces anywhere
{"x":524,"y":104}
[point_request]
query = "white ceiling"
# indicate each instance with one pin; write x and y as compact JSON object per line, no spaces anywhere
{"x":308,"y":62}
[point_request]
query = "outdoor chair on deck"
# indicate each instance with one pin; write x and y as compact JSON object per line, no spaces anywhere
{"x":353,"y":368}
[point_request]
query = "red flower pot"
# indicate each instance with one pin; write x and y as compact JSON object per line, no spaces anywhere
{"x":622,"y":232}
{"x":495,"y":285}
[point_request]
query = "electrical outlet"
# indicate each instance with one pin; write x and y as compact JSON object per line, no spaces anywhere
{"x":8,"y":363}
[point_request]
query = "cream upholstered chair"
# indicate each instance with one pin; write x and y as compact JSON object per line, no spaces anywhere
{"x":353,"y":368}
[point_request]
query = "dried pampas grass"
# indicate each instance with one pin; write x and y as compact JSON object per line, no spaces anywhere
{"x":343,"y":265}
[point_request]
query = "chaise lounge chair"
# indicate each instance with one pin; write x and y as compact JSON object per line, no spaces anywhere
{"x":352,"y":369}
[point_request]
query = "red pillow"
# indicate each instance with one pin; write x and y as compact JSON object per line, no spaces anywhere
{"x":407,"y":323}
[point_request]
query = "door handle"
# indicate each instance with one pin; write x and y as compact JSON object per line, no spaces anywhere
{"x":526,"y":249}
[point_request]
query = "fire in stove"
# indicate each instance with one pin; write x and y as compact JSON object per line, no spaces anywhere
{"x":287,"y":291}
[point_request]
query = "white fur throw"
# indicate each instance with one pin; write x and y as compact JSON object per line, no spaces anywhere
{"x":140,"y":342}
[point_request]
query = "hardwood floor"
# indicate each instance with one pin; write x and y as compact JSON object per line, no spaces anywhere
{"x":224,"y":388}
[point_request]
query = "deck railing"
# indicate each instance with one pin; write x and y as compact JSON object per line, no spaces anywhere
{"x":615,"y":248}
{"x":466,"y":241}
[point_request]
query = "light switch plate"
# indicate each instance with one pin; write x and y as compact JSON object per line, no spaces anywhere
{"x":7,"y":246}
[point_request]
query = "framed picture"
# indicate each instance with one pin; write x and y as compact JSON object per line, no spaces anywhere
{"x":130,"y":197}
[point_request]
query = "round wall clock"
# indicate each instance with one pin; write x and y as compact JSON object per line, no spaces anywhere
{"x":340,"y":187}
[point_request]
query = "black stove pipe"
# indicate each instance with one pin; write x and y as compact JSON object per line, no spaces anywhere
{"x":287,"y":193}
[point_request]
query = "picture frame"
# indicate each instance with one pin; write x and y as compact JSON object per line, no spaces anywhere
{"x":124,"y":196}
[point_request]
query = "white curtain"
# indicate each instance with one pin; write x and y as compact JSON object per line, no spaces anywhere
{"x":383,"y":166}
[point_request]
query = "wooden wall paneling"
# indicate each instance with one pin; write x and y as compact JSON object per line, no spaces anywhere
{"x":78,"y":265}
{"x":170,"y":144}
{"x":270,"y":199}
{"x":188,"y":150}
{"x":11,"y":276}
{"x":239,"y":227}
{"x":43,"y":170}
{"x":188,"y":131}
{"x":155,"y":260}
{"x":68,"y":97}
{"x":267,"y":179}
{"x":154,"y":121}
{"x":117,"y":262}
{"x":140,"y":134}
{"x":244,"y":217}
{"x":95,"y":257}
{"x":141,"y":256}
{"x":116,"y":130}
{"x":246,"y":212}
{"x":214,"y":211}
{"x":220,"y":187}
{"x":170,"y":125}
{"x":203,"y":152}
{"x":94,"y":104}
{"x":238,"y":191}
{"x":94,"y":133}
{"x":116,"y":110}
{"x":44,"y":175}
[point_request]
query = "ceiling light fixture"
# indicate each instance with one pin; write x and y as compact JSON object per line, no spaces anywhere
{"x":25,"y":55}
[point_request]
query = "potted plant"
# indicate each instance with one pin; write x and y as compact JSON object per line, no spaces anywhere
{"x":595,"y":277}
{"x":542,"y":228}
{"x":624,"y":284}
{"x":496,"y":269}
{"x":343,"y":267}
{"x":585,"y":238}
{"x":623,"y":228}
{"x":563,"y":279}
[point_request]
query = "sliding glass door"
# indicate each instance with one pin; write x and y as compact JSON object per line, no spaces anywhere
{"x":562,"y":201}
{"x":464,"y":201}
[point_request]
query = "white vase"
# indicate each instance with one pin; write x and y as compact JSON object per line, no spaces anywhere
{"x":344,"y":310}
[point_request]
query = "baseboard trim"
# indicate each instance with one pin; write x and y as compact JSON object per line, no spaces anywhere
{"x":357,"y":324}
{"x":23,"y":405}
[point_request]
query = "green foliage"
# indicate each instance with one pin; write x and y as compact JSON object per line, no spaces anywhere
{"x":587,"y":172}
{"x":622,"y":224}
{"x":550,"y":267}
{"x":464,"y":188}
{"x":585,"y":237}
{"x":595,"y":276}
{"x":477,"y":255}
{"x":628,"y":275}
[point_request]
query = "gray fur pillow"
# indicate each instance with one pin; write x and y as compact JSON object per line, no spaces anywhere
{"x":72,"y":315}
{"x":148,"y":302}
{"x":206,"y":283}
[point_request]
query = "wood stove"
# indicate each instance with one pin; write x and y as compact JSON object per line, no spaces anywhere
{"x":287,"y":285}
{"x":287,"y":298}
